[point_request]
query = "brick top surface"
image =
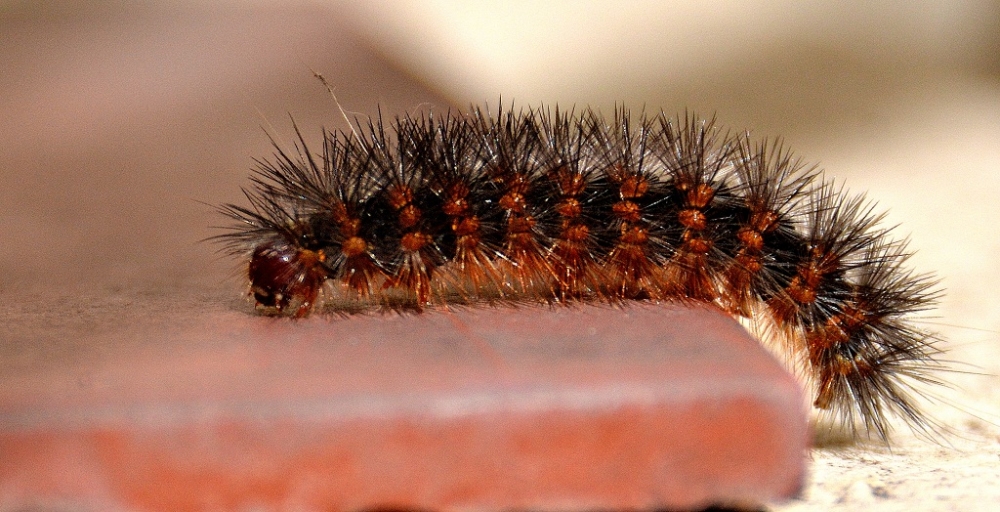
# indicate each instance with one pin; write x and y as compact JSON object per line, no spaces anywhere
{"x":645,"y":406}
{"x":442,"y":360}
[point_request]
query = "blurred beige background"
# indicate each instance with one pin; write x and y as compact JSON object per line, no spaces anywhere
{"x":118,"y":120}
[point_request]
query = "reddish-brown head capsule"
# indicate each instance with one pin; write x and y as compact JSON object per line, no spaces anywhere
{"x":282,"y":275}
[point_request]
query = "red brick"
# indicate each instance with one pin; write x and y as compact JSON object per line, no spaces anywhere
{"x":646,"y":407}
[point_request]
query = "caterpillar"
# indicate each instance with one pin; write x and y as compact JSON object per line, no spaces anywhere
{"x":555,"y":206}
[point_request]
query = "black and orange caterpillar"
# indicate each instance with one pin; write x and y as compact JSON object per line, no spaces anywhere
{"x":560,"y":207}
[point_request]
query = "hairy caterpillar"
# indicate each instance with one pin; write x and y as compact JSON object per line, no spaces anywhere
{"x":553,"y":206}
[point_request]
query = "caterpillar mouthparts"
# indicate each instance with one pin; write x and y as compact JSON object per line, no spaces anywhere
{"x":544,"y":205}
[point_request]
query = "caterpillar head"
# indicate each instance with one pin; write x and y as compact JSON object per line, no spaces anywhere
{"x":284,"y":277}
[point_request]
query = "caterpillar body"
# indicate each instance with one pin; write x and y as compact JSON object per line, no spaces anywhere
{"x":554,"y":206}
